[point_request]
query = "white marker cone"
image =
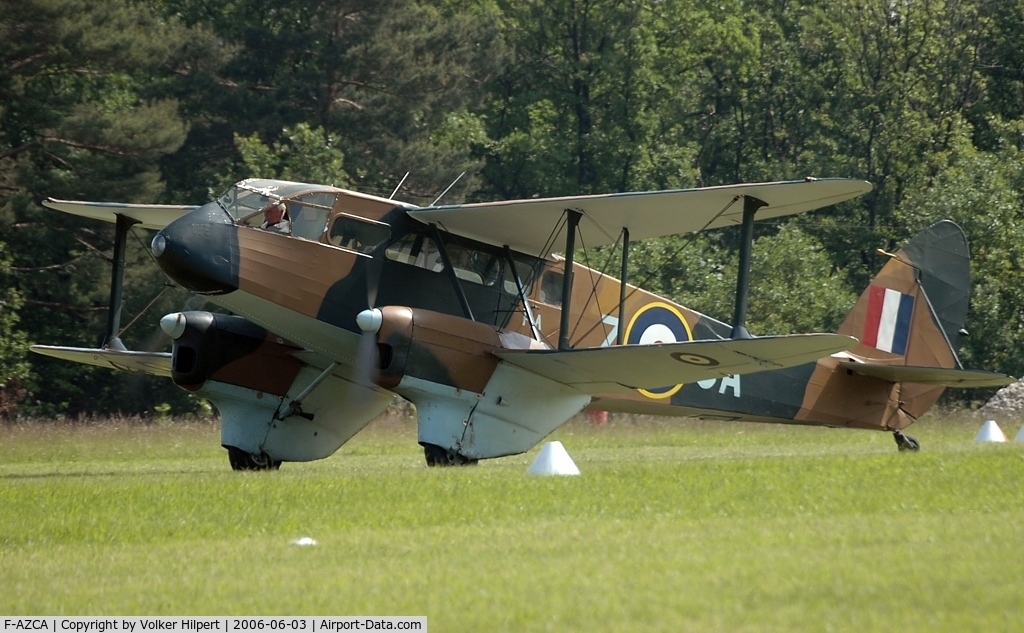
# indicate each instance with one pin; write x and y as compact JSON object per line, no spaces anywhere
{"x":1020,"y":435}
{"x":990,"y":432}
{"x":553,"y":460}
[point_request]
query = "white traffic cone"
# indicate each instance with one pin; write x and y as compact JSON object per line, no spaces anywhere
{"x":553,"y":460}
{"x":990,"y":432}
{"x":1020,"y":435}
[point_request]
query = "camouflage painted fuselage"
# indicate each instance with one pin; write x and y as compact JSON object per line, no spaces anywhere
{"x":451,"y":303}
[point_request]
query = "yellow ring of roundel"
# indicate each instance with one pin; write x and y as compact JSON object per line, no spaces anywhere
{"x":689,"y":337}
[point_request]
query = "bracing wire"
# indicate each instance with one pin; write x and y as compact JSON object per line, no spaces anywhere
{"x":673,"y":255}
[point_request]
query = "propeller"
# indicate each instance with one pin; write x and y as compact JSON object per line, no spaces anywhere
{"x":369,"y":321}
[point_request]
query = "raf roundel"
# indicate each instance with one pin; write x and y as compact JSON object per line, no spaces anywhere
{"x":655,"y":323}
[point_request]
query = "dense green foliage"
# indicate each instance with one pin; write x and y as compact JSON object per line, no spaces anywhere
{"x":171,"y":100}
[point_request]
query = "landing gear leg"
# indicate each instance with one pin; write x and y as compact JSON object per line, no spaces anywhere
{"x":906,"y":442}
{"x":242,"y":460}
{"x":437,"y":456}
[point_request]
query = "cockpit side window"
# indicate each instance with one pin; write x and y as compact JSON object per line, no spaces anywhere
{"x":309,"y":214}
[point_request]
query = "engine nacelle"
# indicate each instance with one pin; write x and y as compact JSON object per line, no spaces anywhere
{"x":250,"y":374}
{"x":230,"y":350}
{"x":470,"y":405}
{"x":439,"y":348}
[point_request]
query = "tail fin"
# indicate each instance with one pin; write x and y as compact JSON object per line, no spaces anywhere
{"x":914,"y":310}
{"x":910,"y":321}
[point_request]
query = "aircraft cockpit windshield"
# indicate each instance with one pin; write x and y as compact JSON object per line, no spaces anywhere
{"x":307,"y":206}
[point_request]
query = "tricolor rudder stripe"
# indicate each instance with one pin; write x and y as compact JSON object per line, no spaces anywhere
{"x":888,"y":321}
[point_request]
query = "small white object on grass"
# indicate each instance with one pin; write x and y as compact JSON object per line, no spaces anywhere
{"x":553,"y":460}
{"x":990,"y":432}
{"x":1020,"y":435}
{"x":305,"y":541}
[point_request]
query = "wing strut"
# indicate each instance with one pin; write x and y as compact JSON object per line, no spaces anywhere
{"x":522,"y":294}
{"x":459,"y":292}
{"x":739,"y":317}
{"x":110,"y":339}
{"x":620,"y":328}
{"x":570,"y":245}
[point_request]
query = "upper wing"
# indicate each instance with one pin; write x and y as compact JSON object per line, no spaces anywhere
{"x":149,"y":216}
{"x":965,"y":378}
{"x":628,"y":367}
{"x":154,"y":363}
{"x":526,"y":225}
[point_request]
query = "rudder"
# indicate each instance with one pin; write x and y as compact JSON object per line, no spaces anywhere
{"x":913,"y":311}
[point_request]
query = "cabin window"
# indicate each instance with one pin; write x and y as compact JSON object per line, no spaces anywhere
{"x":525,"y":270}
{"x":359,"y":235}
{"x":551,"y":288}
{"x":468,"y":263}
{"x":417,"y":250}
{"x":473,"y":265}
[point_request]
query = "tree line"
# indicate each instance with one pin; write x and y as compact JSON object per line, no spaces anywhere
{"x":170,"y":101}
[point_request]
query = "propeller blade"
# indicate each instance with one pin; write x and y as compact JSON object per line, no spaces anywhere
{"x":367,"y":362}
{"x":373,"y":271}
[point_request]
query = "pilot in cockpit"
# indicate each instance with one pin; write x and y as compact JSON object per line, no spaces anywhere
{"x":275,"y":217}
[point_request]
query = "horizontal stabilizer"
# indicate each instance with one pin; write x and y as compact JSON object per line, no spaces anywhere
{"x":627,"y":367}
{"x":525,"y":225}
{"x":154,"y":363}
{"x":148,"y":216}
{"x":965,"y":378}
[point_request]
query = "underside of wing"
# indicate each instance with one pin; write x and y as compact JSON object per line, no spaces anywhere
{"x":528,"y":226}
{"x":628,"y":367}
{"x":153,"y":363}
{"x":148,"y":216}
{"x":964,"y":378}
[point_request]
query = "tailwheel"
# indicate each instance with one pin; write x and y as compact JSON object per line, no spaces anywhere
{"x":437,"y":456}
{"x":242,"y":460}
{"x":906,"y":442}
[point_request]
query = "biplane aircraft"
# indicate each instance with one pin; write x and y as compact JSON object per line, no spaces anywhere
{"x":339,"y":300}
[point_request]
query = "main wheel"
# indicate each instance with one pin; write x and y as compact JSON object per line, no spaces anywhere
{"x":906,"y":442}
{"x":243,"y":460}
{"x":437,"y":456}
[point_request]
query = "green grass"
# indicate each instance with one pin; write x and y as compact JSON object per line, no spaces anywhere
{"x":672,"y":526}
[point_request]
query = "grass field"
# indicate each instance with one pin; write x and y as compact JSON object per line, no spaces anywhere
{"x":672,"y":526}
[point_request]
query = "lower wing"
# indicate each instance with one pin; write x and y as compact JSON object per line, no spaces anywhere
{"x":629,"y":367}
{"x":154,"y":363}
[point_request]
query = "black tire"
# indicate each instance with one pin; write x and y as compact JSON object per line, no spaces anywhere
{"x":242,"y":460}
{"x":906,"y":442}
{"x":437,"y":456}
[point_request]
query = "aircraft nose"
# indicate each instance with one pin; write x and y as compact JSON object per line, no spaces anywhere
{"x":200,"y":251}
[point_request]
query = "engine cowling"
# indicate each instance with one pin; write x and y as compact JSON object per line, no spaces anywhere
{"x":231,"y":350}
{"x":435,"y":347}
